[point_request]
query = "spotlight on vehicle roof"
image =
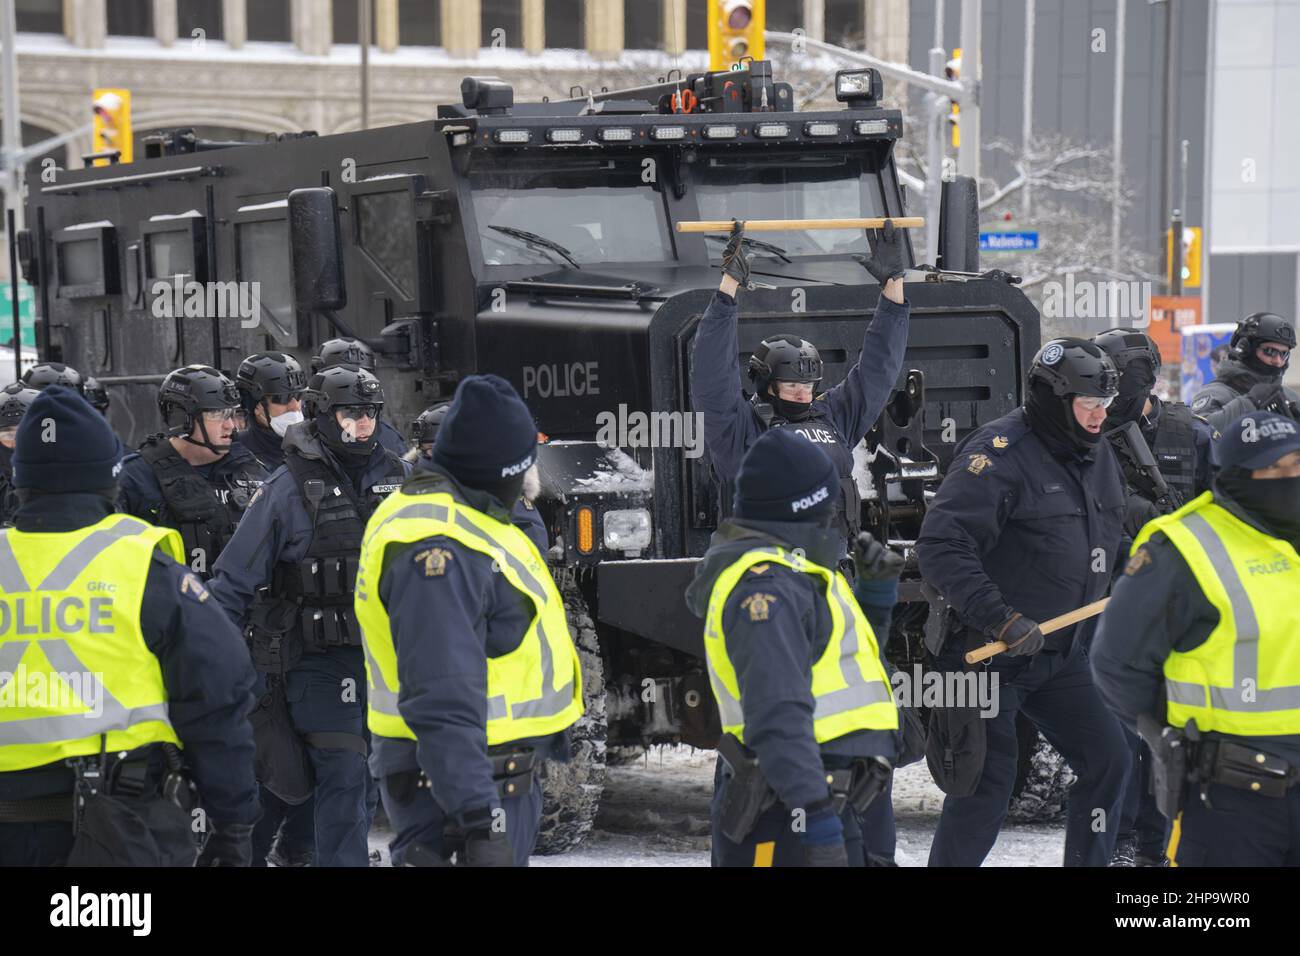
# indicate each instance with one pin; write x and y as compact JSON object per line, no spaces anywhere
{"x":486,"y":94}
{"x":858,"y":87}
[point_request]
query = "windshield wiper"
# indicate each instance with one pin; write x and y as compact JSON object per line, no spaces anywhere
{"x":756,"y":243}
{"x":533,"y":239}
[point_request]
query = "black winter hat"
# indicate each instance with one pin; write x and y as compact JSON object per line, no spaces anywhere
{"x":784,"y":477}
{"x":64,"y":445}
{"x":488,"y":435}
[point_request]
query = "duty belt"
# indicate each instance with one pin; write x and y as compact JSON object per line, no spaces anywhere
{"x":1246,"y":768}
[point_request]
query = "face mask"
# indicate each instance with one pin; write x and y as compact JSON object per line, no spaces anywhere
{"x":280,"y":423}
{"x":1274,"y":501}
{"x":1134,"y":389}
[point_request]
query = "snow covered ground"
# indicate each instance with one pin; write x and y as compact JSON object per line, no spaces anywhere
{"x":655,"y":812}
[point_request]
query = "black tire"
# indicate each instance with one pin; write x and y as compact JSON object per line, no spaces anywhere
{"x":1043,"y":778}
{"x":571,"y":791}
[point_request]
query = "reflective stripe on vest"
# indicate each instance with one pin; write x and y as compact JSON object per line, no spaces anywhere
{"x":1245,"y":678}
{"x":850,"y":688}
{"x":97,"y":676}
{"x":523,"y":697}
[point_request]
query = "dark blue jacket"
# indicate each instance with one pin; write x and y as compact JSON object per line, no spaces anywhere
{"x":446,"y":622}
{"x":277,"y":525}
{"x":1158,"y":607}
{"x":774,"y":657}
{"x":205,"y":668}
{"x":1013,"y":527}
{"x":264,"y":445}
{"x":391,"y":438}
{"x":730,"y":422}
{"x":141,"y":495}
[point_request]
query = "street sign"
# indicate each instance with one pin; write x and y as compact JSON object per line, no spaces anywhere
{"x":1008,"y":241}
{"x":26,"y":315}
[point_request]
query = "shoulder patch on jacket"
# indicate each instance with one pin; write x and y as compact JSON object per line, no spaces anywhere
{"x":192,"y":586}
{"x":759,"y":568}
{"x":978,"y":464}
{"x":434,"y":560}
{"x":1140,"y":559}
{"x":759,"y":606}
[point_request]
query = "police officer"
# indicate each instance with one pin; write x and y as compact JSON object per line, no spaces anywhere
{"x":795,"y":667}
{"x":1200,"y":635}
{"x":97,"y":395}
{"x":473,"y":674}
{"x":424,"y":432}
{"x":15,"y":399}
{"x":1250,"y":376}
{"x":173,"y":686}
{"x":350,"y":351}
{"x":44,"y":374}
{"x":785,"y":371}
{"x":1027,"y":526}
{"x":193,"y":477}
{"x":289,"y":571}
{"x":269,"y":384}
{"x":1179,"y":442}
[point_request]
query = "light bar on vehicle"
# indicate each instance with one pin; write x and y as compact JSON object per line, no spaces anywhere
{"x":616,"y":134}
{"x":871,"y":127}
{"x":512,"y":136}
{"x":668,"y":132}
{"x":564,"y":135}
{"x":771,"y":130}
{"x":821,"y":128}
{"x":721,"y":131}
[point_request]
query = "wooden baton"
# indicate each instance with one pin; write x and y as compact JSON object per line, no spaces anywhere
{"x":1047,"y":627}
{"x":779,"y":225}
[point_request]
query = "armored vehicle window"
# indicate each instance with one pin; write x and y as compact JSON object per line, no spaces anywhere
{"x":592,"y":210}
{"x":263,"y":250}
{"x":79,"y":263}
{"x":791,"y":187}
{"x":386,"y":230}
{"x":169,"y":254}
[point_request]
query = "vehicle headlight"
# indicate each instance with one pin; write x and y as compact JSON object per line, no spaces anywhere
{"x":627,"y":530}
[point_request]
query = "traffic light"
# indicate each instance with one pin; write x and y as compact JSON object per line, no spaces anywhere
{"x":112,"y":129}
{"x":735,"y":31}
{"x":1191,"y":255}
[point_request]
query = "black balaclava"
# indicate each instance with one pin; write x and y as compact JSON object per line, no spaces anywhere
{"x":1052,"y":418}
{"x":1135,"y":384}
{"x":790,"y":411}
{"x":331,"y":435}
{"x":1274,"y":502}
{"x":1251,"y":361}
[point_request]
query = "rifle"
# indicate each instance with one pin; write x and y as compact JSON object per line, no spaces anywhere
{"x":1140,"y":468}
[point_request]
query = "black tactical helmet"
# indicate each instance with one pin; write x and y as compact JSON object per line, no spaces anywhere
{"x":15,"y":399}
{"x":1260,"y":327}
{"x":336,"y":387}
{"x":273,"y":376}
{"x":52,"y":373}
{"x":784,"y":358}
{"x":424,"y":429}
{"x":188,"y":392}
{"x":96,"y":394}
{"x":344,"y":351}
{"x":1073,"y":366}
{"x":1125,"y":345}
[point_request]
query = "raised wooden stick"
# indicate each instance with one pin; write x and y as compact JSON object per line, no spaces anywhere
{"x":780,"y":225}
{"x":1047,"y":627}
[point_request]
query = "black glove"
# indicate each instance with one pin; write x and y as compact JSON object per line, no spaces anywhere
{"x":874,"y":561}
{"x":886,"y":260}
{"x":229,"y":844}
{"x":1268,"y":396}
{"x":823,"y":840}
{"x":735,"y":262}
{"x":1021,"y":635}
{"x":1137,"y":512}
{"x":485,"y":848}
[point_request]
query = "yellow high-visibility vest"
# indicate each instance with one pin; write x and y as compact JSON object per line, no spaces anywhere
{"x":534,"y":690}
{"x":1245,"y":678}
{"x":850,"y":688}
{"x":74,"y":665}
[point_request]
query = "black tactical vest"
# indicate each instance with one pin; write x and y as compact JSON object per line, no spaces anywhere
{"x":817,"y":430}
{"x":1174,"y":448}
{"x":315,"y":594}
{"x":205,"y":513}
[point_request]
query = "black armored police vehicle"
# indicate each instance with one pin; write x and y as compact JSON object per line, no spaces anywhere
{"x":537,"y":241}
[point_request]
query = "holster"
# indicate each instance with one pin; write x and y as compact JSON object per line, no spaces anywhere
{"x":868,"y":778}
{"x":281,"y":762}
{"x":748,"y":794}
{"x":1172,"y":758}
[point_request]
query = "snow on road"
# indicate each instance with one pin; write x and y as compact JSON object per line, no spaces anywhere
{"x":655,"y":812}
